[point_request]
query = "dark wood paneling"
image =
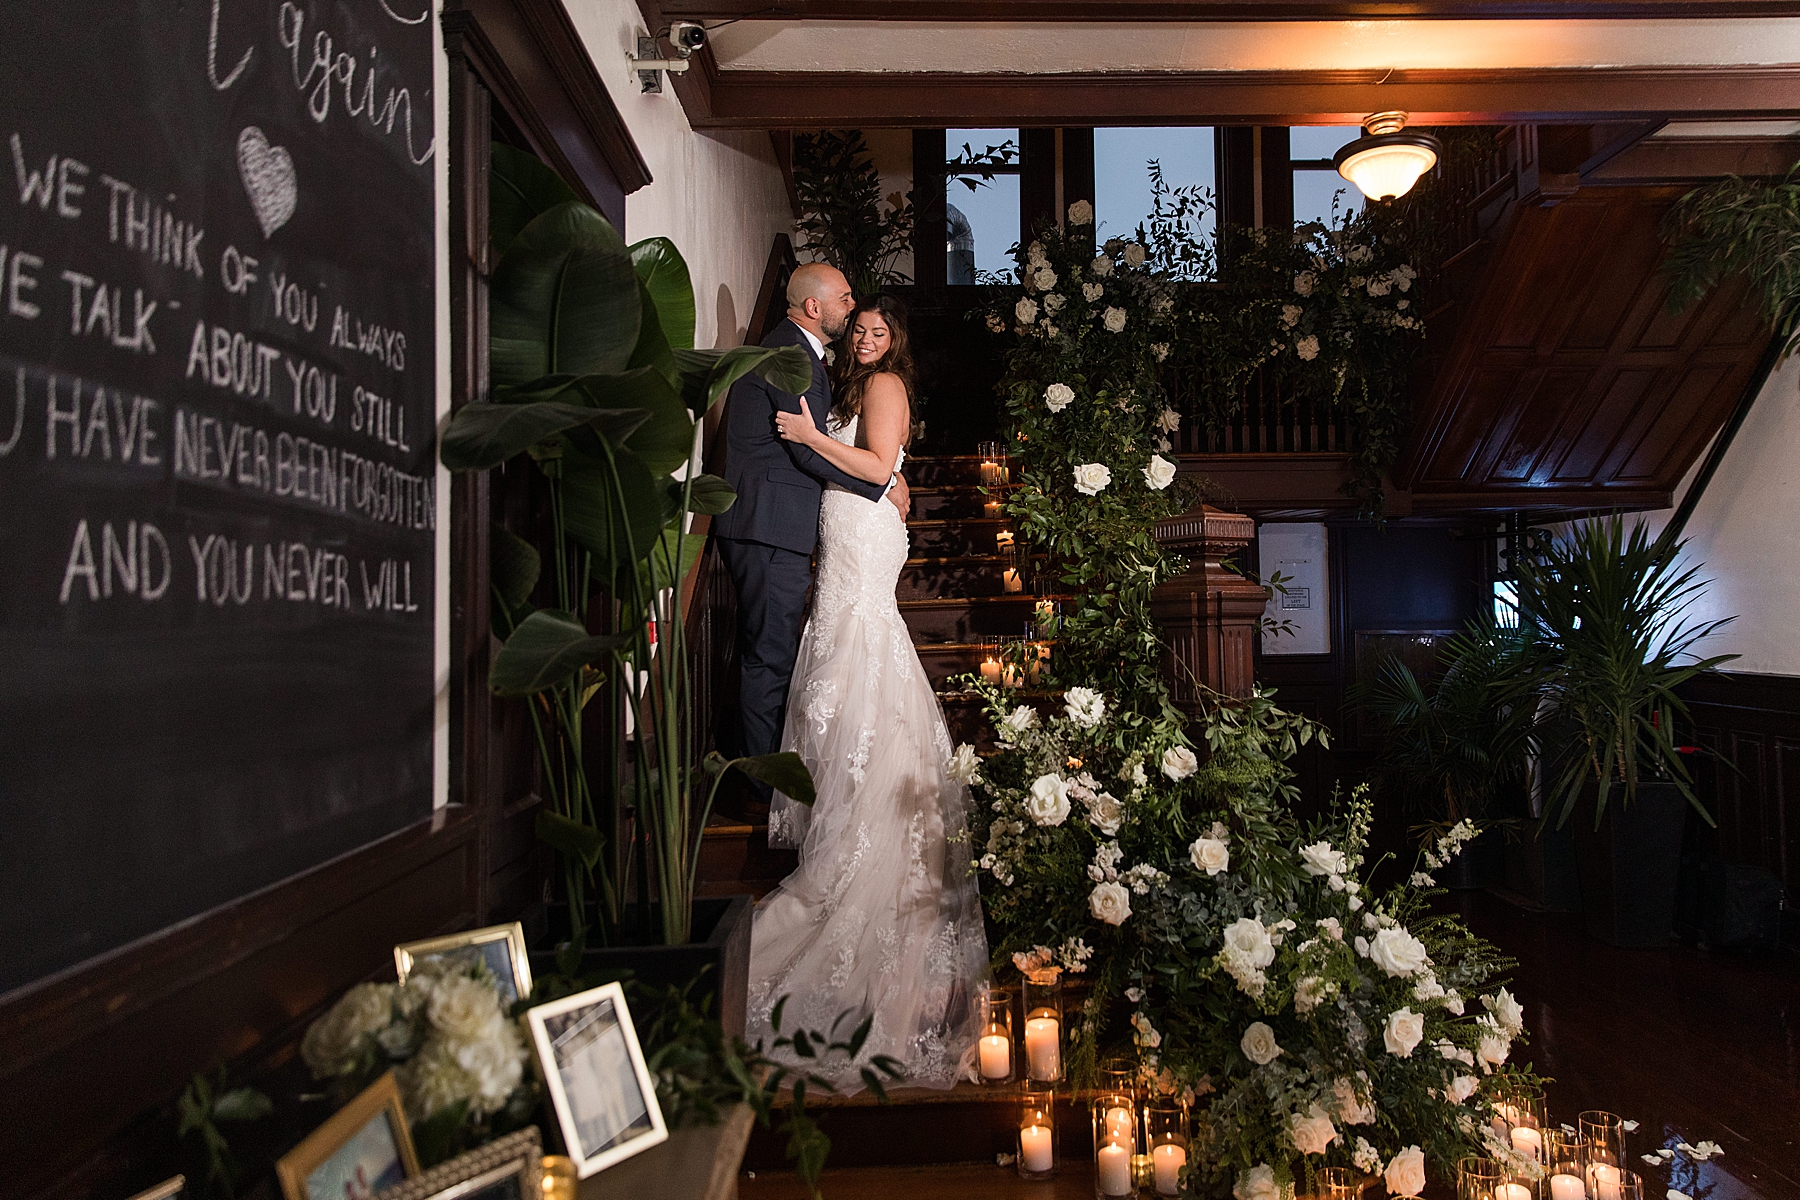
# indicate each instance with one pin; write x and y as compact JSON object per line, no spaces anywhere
{"x":1504,"y":96}
{"x":1571,"y":385}
{"x":1753,"y":722}
{"x":1211,"y":10}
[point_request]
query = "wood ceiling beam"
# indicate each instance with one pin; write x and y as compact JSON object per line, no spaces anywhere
{"x":1216,"y":10}
{"x":825,"y":100}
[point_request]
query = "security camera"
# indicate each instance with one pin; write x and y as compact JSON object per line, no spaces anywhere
{"x":686,"y":37}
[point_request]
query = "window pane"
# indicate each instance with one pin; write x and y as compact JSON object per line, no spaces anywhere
{"x":978,"y":141}
{"x":983,"y":226}
{"x":1313,"y":193}
{"x":1122,"y":174}
{"x":1319,"y":141}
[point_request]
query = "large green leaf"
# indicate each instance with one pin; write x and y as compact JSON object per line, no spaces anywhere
{"x":600,"y":518}
{"x":482,"y":435}
{"x":664,"y":272}
{"x":785,"y":772}
{"x":546,"y":650}
{"x":652,"y":349}
{"x":658,"y":575}
{"x":569,"y":837}
{"x":710,"y":495}
{"x":707,"y":375}
{"x":519,"y":188}
{"x":513,"y":565}
{"x":665,"y":438}
{"x":564,"y":299}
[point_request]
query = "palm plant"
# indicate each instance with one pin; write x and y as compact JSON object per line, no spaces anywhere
{"x":595,"y":379}
{"x":1606,"y":613}
{"x":1737,"y":225}
{"x":1454,"y":745}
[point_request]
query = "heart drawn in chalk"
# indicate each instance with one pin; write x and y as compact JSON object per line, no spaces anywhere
{"x":268,"y":173}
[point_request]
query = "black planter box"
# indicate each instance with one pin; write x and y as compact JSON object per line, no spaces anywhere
{"x":1540,"y":866}
{"x":1631,"y":865}
{"x":721,"y":932}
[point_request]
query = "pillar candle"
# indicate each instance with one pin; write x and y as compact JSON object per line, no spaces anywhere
{"x":1004,"y":537}
{"x":1114,"y":1164}
{"x":1529,"y":1142}
{"x":1041,"y":1044}
{"x":990,"y":671}
{"x":1011,"y":676}
{"x":1169,"y":1160}
{"x":1009,"y":580}
{"x":1566,"y":1187}
{"x":996,"y":1056}
{"x":1119,"y":1126}
{"x":1604,"y":1182}
{"x":1512,"y":1191}
{"x":1034,"y":1148}
{"x":991,"y":508}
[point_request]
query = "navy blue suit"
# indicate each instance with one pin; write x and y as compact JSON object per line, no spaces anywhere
{"x":767,"y":537}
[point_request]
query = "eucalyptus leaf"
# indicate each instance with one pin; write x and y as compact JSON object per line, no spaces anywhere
{"x":520,"y":187}
{"x":482,"y":435}
{"x":546,"y":650}
{"x":563,"y":299}
{"x":665,"y":273}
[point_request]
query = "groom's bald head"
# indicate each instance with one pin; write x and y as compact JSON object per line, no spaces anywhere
{"x":819,"y":299}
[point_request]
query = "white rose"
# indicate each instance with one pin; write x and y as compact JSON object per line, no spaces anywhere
{"x":1258,"y":1183}
{"x":1258,"y":1044}
{"x":1053,"y":303}
{"x":331,"y":1042}
{"x":1178,"y":762}
{"x":465,"y":1009}
{"x":1404,"y":1030}
{"x":1405,"y":1175}
{"x":1105,"y":813}
{"x":432,"y":1079}
{"x":1398,"y":952}
{"x":1247,"y":937}
{"x":1058,"y":396}
{"x":1081,"y":213}
{"x":1110,"y":902}
{"x":1453,"y":1002}
{"x":1034,"y":255}
{"x":965,"y":765}
{"x":1092,"y":291}
{"x":1358,"y":255}
{"x":1114,"y":319}
{"x":1506,"y":1010}
{"x":1495,"y":1045}
{"x":1379,"y":286}
{"x":1210,"y":855}
{"x":1020,"y":719}
{"x":1160,"y":473}
{"x":1307,"y":348}
{"x":1461,"y":1088}
{"x":1320,"y":859}
{"x":1134,"y":254}
{"x":1026,"y":310}
{"x":1350,"y":1109}
{"x":494,"y":1065}
{"x":1045,"y":278}
{"x":1169,"y":421}
{"x":1085,"y":706}
{"x":1091,"y":478}
{"x":1048,"y":803}
{"x":1331,"y":928}
{"x":1291,"y":314}
{"x":1303,"y":283}
{"x":1102,"y":266}
{"x":1312,"y":1131}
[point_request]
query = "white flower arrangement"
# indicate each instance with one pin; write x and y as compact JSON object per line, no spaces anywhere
{"x":1092,"y":478}
{"x":1159,"y":473}
{"x":1114,"y":320}
{"x":1058,"y":396}
{"x":1026,"y":310}
{"x":1081,"y":213}
{"x":1134,"y":255}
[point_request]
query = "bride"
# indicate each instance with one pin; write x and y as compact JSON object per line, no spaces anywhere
{"x":882,"y":916}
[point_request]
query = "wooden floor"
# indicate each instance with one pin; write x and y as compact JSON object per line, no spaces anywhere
{"x":1693,"y":1046}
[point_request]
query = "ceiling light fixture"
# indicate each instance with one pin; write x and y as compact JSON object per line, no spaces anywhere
{"x":1386,"y":160}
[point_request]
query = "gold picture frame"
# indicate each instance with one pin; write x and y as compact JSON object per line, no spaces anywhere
{"x":484,"y":1173}
{"x":168,"y":1189}
{"x":357,"y":1150}
{"x":600,"y":1090}
{"x":484,"y":943}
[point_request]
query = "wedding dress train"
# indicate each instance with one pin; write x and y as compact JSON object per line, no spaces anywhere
{"x":882,"y":916}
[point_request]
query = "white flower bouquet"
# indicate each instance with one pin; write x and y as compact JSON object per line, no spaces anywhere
{"x":1242,"y":958}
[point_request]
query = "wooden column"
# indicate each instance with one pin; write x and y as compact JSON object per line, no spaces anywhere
{"x":1209,"y":615}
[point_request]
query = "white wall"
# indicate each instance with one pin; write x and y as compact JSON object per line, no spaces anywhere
{"x":1746,"y":535}
{"x":718,"y":195}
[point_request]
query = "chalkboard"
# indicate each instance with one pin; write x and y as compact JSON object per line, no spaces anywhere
{"x":219,"y":508}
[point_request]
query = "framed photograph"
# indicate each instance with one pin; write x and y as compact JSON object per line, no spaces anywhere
{"x":501,"y":948}
{"x":364,"y":1148}
{"x":507,"y":1168}
{"x":168,"y":1189}
{"x":604,"y":1099}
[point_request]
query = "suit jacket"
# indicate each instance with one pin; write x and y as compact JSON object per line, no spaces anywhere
{"x":778,"y":483}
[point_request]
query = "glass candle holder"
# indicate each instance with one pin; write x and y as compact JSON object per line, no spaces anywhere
{"x":1631,"y":1186}
{"x":1012,"y":579}
{"x":1337,"y":1183}
{"x":1602,"y":1137}
{"x":558,"y":1179}
{"x":990,"y":660}
{"x":1118,"y":1076}
{"x":1562,"y":1166}
{"x":990,"y":453}
{"x":1479,"y":1179}
{"x":1526,"y":1119}
{"x":1041,"y":1001}
{"x":1115,"y":1145}
{"x":1037,"y":1133}
{"x":994,"y":1048}
{"x":1166,"y":1134}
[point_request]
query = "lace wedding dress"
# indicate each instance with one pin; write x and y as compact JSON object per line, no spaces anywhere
{"x":882,"y":915}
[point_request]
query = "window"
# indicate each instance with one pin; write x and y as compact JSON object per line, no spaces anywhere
{"x":1316,"y":182}
{"x":1122,"y":173}
{"x":981,"y":202}
{"x":1506,"y":604}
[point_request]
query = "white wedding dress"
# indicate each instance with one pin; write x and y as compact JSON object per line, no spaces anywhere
{"x":882,"y":915}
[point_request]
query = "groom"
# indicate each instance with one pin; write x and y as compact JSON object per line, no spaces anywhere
{"x":767,"y":538}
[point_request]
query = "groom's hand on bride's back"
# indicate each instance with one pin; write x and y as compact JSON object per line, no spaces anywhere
{"x":901,"y":496}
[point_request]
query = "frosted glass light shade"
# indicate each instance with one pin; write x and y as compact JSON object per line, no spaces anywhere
{"x":1383,"y":171}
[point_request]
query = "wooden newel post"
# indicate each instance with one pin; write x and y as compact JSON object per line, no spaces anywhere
{"x":1208,"y":615}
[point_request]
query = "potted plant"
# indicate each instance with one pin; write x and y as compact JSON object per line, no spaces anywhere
{"x":1455,"y":747}
{"x":1607,"y":615}
{"x":595,"y":380}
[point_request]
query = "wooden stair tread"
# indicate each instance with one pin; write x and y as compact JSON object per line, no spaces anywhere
{"x":953,"y":601}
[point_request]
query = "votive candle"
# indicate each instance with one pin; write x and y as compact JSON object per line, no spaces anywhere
{"x":996,"y":1056}
{"x":990,"y":671}
{"x":1009,"y":580}
{"x":1035,"y":1148}
{"x":1041,"y":1034}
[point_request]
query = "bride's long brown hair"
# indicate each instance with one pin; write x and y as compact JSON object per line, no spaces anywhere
{"x":851,"y":378}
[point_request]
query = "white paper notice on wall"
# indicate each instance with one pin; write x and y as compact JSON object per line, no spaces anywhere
{"x":1302,"y":608}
